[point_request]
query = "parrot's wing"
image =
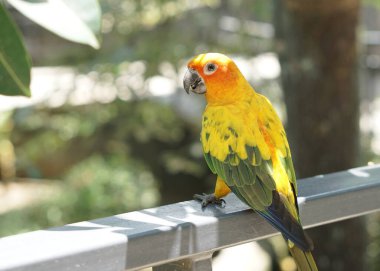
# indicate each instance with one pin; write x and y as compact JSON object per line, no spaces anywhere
{"x":246,"y":164}
{"x":255,"y":186}
{"x":252,"y":183}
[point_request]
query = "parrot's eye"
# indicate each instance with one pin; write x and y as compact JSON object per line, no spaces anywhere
{"x":210,"y":68}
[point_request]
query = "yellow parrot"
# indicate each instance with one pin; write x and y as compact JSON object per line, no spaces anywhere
{"x":245,"y":145}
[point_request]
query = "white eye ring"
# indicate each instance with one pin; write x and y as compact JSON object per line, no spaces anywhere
{"x":210,"y":68}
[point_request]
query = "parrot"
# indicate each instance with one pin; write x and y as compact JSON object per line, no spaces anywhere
{"x":245,"y":145}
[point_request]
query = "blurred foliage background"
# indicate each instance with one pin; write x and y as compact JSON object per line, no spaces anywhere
{"x":111,"y":130}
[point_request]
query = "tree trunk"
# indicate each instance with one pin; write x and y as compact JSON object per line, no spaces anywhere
{"x":317,"y":47}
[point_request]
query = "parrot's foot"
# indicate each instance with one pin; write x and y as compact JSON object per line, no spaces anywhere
{"x":207,"y":199}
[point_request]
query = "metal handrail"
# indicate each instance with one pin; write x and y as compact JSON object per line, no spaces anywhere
{"x":183,"y":231}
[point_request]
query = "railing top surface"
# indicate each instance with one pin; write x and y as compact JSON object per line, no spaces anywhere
{"x":167,"y":233}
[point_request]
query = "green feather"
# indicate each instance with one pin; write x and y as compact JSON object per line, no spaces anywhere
{"x":268,"y":166}
{"x":290,"y":169}
{"x":246,"y":173}
{"x":207,"y":156}
{"x":254,"y":155}
{"x":217,"y":165}
{"x":228,"y":174}
{"x":283,"y":162}
{"x":250,"y":154}
{"x":265,"y":177}
{"x":263,"y":193}
{"x":253,"y":200}
{"x":251,"y":168}
{"x":233,"y":159}
{"x":287,"y":163}
{"x":258,"y":158}
{"x":254,"y":195}
{"x":236,"y":176}
{"x":251,"y":179}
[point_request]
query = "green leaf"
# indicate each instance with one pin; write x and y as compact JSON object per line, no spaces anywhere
{"x":75,"y":20}
{"x":14,"y":60}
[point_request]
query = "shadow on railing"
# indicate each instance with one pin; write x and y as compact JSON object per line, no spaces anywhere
{"x":181,"y":236}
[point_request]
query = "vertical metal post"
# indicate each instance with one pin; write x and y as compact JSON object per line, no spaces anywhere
{"x":199,"y":263}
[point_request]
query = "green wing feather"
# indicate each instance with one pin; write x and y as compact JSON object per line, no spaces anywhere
{"x":209,"y":162}
{"x":249,"y":178}
{"x":254,"y":185}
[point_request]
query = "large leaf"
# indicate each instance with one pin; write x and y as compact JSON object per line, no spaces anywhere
{"x":75,"y":20}
{"x":14,"y":61}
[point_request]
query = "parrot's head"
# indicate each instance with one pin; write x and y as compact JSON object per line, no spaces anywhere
{"x":216,"y":76}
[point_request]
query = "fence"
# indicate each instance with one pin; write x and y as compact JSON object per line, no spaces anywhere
{"x":181,"y":236}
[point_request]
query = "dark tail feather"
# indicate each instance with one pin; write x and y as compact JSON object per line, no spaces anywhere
{"x":304,"y":259}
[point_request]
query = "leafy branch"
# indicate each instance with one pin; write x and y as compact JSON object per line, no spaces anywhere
{"x":77,"y":21}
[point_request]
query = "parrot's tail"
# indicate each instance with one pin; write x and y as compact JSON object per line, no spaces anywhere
{"x":304,"y":259}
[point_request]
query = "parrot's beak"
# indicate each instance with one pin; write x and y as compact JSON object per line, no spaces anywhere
{"x":194,"y":82}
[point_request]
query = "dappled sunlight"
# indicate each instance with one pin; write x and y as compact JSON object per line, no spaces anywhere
{"x":359,"y":173}
{"x":251,"y":257}
{"x":145,"y":218}
{"x":369,"y":124}
{"x":177,"y":231}
{"x":161,"y":86}
{"x":110,"y":132}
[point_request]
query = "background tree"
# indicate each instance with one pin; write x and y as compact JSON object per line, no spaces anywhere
{"x":317,"y":47}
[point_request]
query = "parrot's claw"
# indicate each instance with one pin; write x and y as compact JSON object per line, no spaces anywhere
{"x":207,"y":199}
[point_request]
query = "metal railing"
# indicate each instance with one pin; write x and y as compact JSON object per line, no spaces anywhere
{"x":181,"y":236}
